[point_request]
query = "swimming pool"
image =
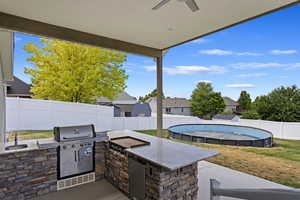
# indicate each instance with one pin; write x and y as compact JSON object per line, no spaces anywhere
{"x":222,"y":134}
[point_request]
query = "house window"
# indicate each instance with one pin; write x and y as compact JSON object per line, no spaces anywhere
{"x":168,"y":110}
{"x":127,"y":114}
{"x":182,"y":109}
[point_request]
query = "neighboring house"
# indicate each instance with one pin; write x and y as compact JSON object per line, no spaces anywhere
{"x":141,"y":110}
{"x":18,"y":88}
{"x":231,"y":105}
{"x":233,"y":118}
{"x":175,"y":106}
{"x":126,"y":106}
{"x":122,"y":98}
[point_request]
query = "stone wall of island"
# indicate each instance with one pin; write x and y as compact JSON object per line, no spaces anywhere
{"x":28,"y":174}
{"x":160,"y":183}
{"x":164,"y":184}
{"x":99,"y":160}
{"x":116,"y":164}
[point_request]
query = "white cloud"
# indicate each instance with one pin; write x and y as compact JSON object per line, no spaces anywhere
{"x":221,"y":52}
{"x":218,"y":52}
{"x":17,"y":39}
{"x":241,"y":85}
{"x":200,"y":41}
{"x":188,"y":70}
{"x":150,"y":68}
{"x":294,"y":66}
{"x":283,"y":52}
{"x":253,"y":75}
{"x":130,"y":64}
{"x":203,"y":81}
{"x":249,"y":54}
{"x":254,"y":65}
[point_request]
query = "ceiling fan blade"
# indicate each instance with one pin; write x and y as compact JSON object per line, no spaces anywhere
{"x":192,"y":5}
{"x":160,"y":4}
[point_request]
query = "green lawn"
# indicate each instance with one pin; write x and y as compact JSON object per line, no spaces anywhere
{"x":280,"y":163}
{"x":30,"y":135}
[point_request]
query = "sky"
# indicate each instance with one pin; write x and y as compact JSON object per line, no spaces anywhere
{"x":257,"y":56}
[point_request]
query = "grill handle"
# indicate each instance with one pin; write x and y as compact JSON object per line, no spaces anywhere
{"x":75,"y":153}
{"x":75,"y":138}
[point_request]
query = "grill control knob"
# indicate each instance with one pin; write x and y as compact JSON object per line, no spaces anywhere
{"x":73,"y":145}
{"x":64,"y":147}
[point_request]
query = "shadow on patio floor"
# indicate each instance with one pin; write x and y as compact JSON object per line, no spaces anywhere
{"x":101,"y":190}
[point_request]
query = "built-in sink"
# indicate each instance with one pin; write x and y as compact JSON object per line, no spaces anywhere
{"x":16,"y":147}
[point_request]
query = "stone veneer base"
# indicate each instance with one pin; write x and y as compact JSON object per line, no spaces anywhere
{"x":161,"y":183}
{"x":28,"y":174}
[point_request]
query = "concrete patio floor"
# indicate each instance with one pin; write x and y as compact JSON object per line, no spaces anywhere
{"x":229,"y":179}
{"x":102,"y":190}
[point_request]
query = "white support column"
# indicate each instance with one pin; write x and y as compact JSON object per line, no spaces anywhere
{"x":2,"y":114}
{"x":159,"y":79}
{"x":6,"y":74}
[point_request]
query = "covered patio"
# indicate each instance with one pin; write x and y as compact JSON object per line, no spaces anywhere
{"x":131,"y":27}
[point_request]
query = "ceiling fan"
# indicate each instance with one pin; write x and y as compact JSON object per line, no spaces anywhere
{"x":190,"y":3}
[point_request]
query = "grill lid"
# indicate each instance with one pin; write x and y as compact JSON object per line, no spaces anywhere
{"x":74,"y":132}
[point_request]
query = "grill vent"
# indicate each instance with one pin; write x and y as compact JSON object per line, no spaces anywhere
{"x":74,"y":181}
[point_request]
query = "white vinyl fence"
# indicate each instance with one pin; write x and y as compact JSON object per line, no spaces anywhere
{"x":283,"y":130}
{"x":32,"y":114}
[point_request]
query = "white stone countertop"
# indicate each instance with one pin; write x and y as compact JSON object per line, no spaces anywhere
{"x":43,"y":144}
{"x":32,"y":145}
{"x":163,"y":152}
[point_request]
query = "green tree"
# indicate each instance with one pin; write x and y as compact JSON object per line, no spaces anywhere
{"x":148,"y":96}
{"x":282,"y":104}
{"x":244,"y":101}
{"x":205,"y":102}
{"x":250,"y":114}
{"x":76,"y":73}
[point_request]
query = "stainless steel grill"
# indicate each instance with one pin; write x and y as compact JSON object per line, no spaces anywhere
{"x":76,"y":150}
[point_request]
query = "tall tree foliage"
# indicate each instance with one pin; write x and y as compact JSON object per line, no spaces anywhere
{"x":244,"y":101}
{"x":76,"y":73}
{"x":205,"y":102}
{"x":282,"y":104}
{"x":148,"y":96}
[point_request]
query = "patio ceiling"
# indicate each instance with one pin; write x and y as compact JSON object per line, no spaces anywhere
{"x":131,"y":25}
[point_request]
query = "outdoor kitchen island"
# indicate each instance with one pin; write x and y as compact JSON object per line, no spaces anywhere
{"x":161,"y":169}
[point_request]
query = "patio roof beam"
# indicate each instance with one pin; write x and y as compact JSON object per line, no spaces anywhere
{"x":24,"y":25}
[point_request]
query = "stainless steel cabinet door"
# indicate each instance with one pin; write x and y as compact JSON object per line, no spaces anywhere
{"x":136,"y":179}
{"x":68,"y":161}
{"x":85,"y":159}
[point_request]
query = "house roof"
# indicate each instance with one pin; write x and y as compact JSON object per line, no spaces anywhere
{"x":18,"y":87}
{"x":224,"y":117}
{"x":176,"y":103}
{"x":130,"y":25}
{"x":230,"y":102}
{"x":123,"y":96}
